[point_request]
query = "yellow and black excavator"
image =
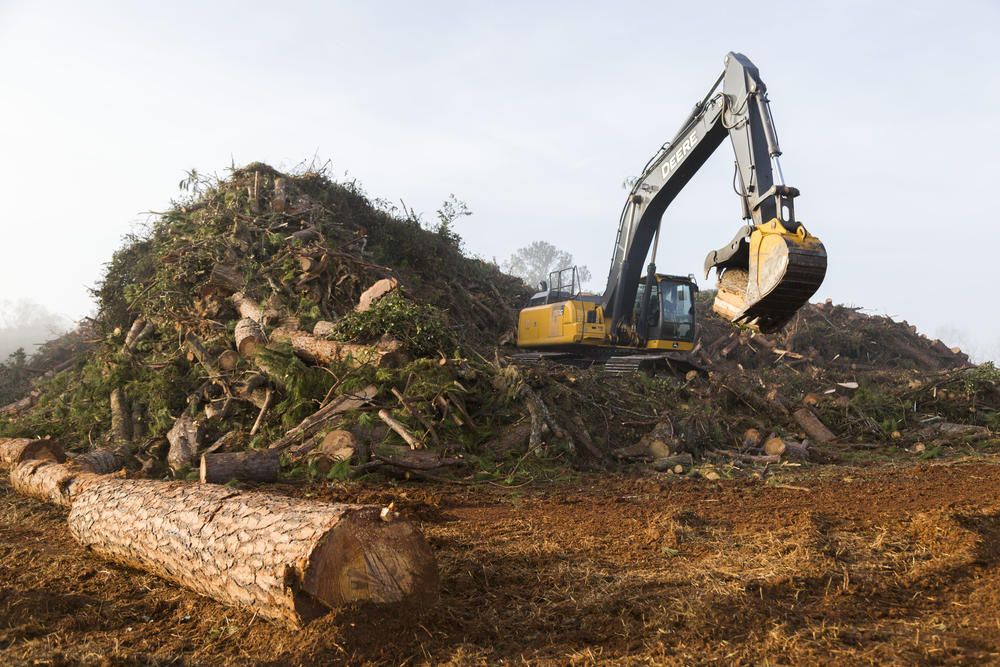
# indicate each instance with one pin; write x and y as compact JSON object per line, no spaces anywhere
{"x":766,"y":273}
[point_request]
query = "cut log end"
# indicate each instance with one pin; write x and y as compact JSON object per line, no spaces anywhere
{"x":368,"y":559}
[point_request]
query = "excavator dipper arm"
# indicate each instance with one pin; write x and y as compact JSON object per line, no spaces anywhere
{"x":784,"y":265}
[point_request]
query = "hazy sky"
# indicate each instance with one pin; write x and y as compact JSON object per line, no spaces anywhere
{"x":533,"y":113}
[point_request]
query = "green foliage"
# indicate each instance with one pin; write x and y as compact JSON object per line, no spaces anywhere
{"x":423,"y":329}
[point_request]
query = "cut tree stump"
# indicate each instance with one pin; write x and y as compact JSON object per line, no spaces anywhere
{"x":252,"y":465}
{"x":813,"y":427}
{"x":286,"y":559}
{"x":14,"y":451}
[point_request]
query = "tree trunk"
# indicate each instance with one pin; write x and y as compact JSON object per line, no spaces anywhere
{"x":253,"y":465}
{"x":56,"y":483}
{"x":121,"y":417}
{"x":185,"y":437}
{"x":16,"y":450}
{"x":250,"y":310}
{"x":814,"y":428}
{"x":249,"y":336}
{"x":101,"y":461}
{"x":287,"y":559}
{"x":385,"y":354}
{"x":667,"y":463}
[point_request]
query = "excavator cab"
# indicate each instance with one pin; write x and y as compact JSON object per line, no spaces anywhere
{"x":670,"y":320}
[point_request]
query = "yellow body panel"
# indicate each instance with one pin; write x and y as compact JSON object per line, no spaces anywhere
{"x":562,"y":323}
{"x":572,"y":323}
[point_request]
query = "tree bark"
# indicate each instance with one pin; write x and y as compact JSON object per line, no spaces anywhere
{"x":56,"y":483}
{"x":667,"y":463}
{"x":813,"y":427}
{"x":121,"y":417}
{"x":14,"y":451}
{"x":185,"y":438}
{"x":225,"y":278}
{"x":252,"y":465}
{"x":250,"y":310}
{"x":385,"y":354}
{"x":376,"y":292}
{"x":287,"y":559}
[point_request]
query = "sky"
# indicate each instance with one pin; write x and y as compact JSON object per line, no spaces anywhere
{"x":533,"y":113}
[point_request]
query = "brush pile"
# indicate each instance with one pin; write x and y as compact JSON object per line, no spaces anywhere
{"x":275,"y":326}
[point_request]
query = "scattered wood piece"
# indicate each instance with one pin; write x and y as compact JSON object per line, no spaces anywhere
{"x":316,"y":421}
{"x":375,"y":292}
{"x":416,"y":415}
{"x":121,"y":417}
{"x":814,"y":428}
{"x":751,"y":439}
{"x":789,"y":486}
{"x":322,"y":329}
{"x":185,"y":437}
{"x":249,"y":309}
{"x":268,"y":399}
{"x":249,"y":336}
{"x":252,"y":465}
{"x":139,"y":330}
{"x":286,"y":559}
{"x":948,"y":429}
{"x":224,"y":443}
{"x":14,"y":451}
{"x":400,"y":429}
{"x":745,"y":458}
{"x":228,"y":360}
{"x":384,"y":354}
{"x":775,"y":447}
{"x":668,"y":463}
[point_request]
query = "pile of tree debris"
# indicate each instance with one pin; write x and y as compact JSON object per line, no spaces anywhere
{"x":276,"y":325}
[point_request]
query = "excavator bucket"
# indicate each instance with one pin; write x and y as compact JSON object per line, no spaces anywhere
{"x":766,"y":274}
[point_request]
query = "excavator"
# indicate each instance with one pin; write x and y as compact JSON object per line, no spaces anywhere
{"x":765,"y":273}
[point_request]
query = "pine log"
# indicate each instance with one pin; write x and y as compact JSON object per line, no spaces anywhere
{"x":318,"y":419}
{"x":56,"y":483}
{"x":228,"y":359}
{"x":248,"y":309}
{"x":185,"y":437}
{"x":775,"y":446}
{"x":400,"y":429}
{"x":249,"y":336}
{"x":225,"y":278}
{"x":384,"y":354}
{"x":21,"y":405}
{"x":668,"y":463}
{"x":121,"y":417}
{"x":376,"y":292}
{"x":286,"y":559}
{"x":101,"y":461}
{"x":252,"y":465}
{"x":813,"y":427}
{"x":13,"y":451}
{"x":140,"y":329}
{"x":323,"y":328}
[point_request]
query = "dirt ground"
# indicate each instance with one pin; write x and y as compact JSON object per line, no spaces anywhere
{"x":840,"y":564}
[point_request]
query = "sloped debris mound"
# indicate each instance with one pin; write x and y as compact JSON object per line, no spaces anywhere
{"x":289,"y":313}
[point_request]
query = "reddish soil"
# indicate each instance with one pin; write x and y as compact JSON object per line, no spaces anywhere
{"x":887,"y":565}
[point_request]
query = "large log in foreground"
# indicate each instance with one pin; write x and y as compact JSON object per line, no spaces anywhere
{"x":287,"y":559}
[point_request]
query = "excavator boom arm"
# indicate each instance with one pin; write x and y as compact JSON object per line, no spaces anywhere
{"x":740,"y":110}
